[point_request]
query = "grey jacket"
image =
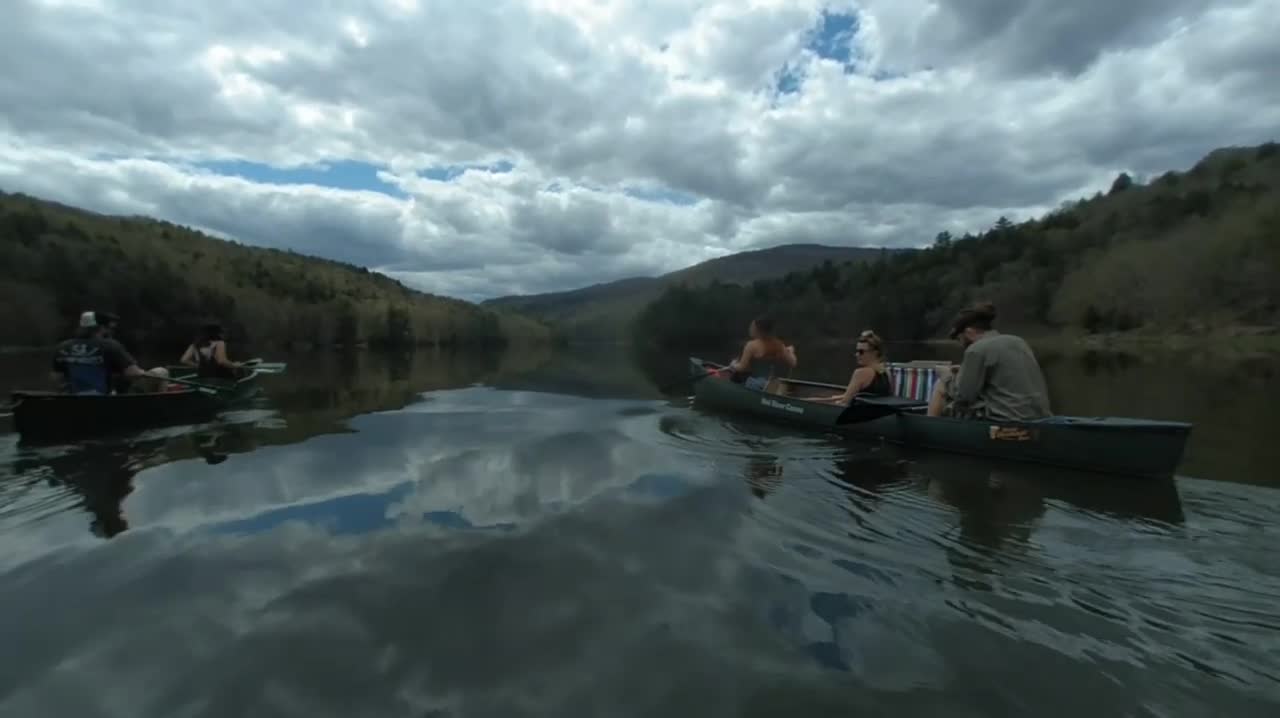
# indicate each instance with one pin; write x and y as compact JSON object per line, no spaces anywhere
{"x":1001,"y":378}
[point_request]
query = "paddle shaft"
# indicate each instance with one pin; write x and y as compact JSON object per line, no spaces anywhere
{"x":197,"y":385}
{"x":257,"y":365}
{"x":265,"y":367}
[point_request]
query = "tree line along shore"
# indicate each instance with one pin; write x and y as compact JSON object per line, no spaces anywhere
{"x":163,"y":280}
{"x":1187,"y":254}
{"x":1183,"y":255}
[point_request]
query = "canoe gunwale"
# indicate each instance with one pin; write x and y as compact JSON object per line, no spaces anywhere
{"x":48,"y":394}
{"x":39,"y":412}
{"x":1111,"y":425}
{"x":1108,"y":445}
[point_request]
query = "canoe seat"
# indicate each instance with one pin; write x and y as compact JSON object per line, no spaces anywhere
{"x":915,"y":379}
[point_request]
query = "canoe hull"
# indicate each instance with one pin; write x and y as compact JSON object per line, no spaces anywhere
{"x":1131,"y":447}
{"x":1103,"y":445}
{"x":58,"y":415}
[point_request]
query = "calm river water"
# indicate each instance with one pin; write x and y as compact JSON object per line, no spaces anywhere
{"x":565,"y":535}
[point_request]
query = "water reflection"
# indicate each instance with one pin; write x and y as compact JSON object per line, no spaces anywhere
{"x":435,"y":534}
{"x":97,"y":476}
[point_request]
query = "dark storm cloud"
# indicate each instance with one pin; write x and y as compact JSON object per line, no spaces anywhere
{"x":1039,"y":36}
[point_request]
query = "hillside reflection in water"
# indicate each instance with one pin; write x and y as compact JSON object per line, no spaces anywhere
{"x":563,"y":534}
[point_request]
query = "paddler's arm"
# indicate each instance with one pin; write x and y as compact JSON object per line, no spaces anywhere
{"x":857,"y":382}
{"x":220,"y":356}
{"x":743,"y":363}
{"x":120,"y":358}
{"x":189,"y":356}
{"x":973,"y":372}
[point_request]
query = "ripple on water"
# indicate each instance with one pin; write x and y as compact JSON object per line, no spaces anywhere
{"x":648,"y":541}
{"x":1113,"y":579}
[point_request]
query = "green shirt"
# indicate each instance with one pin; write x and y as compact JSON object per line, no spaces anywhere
{"x":1000,"y":376}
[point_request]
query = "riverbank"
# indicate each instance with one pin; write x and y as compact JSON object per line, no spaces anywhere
{"x":299,"y":347}
{"x":1234,"y":341}
{"x":1228,"y":340}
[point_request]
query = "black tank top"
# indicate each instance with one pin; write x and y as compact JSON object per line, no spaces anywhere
{"x":880,"y":386}
{"x":207,"y":366}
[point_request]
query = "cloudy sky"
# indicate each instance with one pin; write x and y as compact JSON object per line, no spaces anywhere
{"x":482,"y":148}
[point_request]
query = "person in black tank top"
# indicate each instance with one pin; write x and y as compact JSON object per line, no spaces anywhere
{"x":208,"y":354}
{"x":871,"y":377}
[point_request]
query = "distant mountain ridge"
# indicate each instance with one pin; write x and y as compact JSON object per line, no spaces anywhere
{"x":606,"y":310}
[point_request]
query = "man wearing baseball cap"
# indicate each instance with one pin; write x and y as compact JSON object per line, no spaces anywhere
{"x":91,"y":359}
{"x":999,"y":377}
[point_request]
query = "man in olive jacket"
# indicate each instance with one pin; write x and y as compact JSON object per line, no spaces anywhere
{"x":999,"y":377}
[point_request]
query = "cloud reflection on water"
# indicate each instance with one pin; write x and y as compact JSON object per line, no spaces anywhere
{"x":507,"y":553}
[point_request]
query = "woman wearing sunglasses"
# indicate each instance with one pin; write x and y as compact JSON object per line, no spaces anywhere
{"x":871,"y":377}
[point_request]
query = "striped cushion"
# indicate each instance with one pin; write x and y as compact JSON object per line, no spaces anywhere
{"x":913,"y":382}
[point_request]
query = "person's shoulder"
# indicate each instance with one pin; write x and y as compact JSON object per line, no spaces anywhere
{"x":993,"y":342}
{"x":1014,"y":340}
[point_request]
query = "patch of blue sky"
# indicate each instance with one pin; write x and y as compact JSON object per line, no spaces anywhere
{"x":342,"y":174}
{"x":833,"y":37}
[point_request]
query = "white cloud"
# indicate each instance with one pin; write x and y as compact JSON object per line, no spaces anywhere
{"x":957,"y":113}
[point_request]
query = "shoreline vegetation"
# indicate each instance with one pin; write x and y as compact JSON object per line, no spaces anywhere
{"x":164,"y":280}
{"x":1228,"y":341}
{"x":1185,"y":260}
{"x":1190,"y":258}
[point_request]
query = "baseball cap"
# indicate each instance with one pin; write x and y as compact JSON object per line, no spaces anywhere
{"x":93,"y":319}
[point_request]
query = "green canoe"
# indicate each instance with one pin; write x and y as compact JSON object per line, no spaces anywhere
{"x":1134,"y":447}
{"x":59,"y":415}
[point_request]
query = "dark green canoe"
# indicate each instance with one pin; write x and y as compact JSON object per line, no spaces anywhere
{"x":56,"y":414}
{"x":1135,"y":447}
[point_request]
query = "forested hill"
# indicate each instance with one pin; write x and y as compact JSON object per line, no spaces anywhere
{"x":163,"y":280}
{"x":606,"y":311}
{"x":1189,"y":251}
